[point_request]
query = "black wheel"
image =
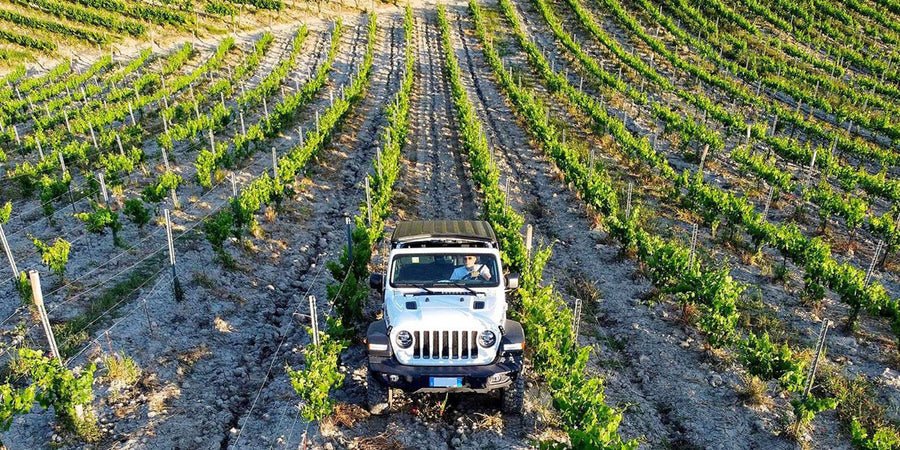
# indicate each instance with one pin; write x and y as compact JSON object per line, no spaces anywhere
{"x":378,"y":396}
{"x":514,"y":394}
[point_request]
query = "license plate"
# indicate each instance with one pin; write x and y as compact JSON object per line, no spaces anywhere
{"x":445,"y":382}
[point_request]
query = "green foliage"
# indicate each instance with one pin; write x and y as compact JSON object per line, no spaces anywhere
{"x":57,"y":72}
{"x":220,"y":8}
{"x":147,"y":89}
{"x":350,"y":291}
{"x":17,"y":110}
{"x":70,"y":394}
{"x":55,"y":256}
{"x":712,"y":289}
{"x":275,"y":5}
{"x":318,"y":377}
{"x":116,"y":165}
{"x":85,"y":16}
{"x":813,"y":255}
{"x":53,"y":27}
{"x":785,"y":147}
{"x":14,"y":402}
{"x":887,"y":229}
{"x":805,"y":410}
{"x":5,"y":211}
{"x":135,"y":210}
{"x":884,"y":438}
{"x":99,"y":219}
{"x":578,"y":403}
{"x":23,"y":287}
{"x":26,"y":175}
{"x":16,"y":74}
{"x":132,"y":66}
{"x":51,"y":189}
{"x":178,"y":59}
{"x":849,"y":207}
{"x":209,"y":160}
{"x":768,"y":361}
{"x":251,"y":61}
{"x":762,"y":168}
{"x":27,"y":41}
{"x":166,"y":183}
{"x":159,"y":15}
{"x":217,"y":229}
{"x":785,"y":115}
{"x":687,"y":127}
{"x":218,"y":116}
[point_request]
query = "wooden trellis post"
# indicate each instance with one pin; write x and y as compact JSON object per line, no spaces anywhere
{"x":9,"y":255}
{"x":38,"y":298}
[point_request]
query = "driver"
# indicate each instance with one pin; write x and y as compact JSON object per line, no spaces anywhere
{"x":471,"y":271}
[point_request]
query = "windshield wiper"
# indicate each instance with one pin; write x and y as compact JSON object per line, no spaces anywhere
{"x":420,"y":286}
{"x":462,"y":286}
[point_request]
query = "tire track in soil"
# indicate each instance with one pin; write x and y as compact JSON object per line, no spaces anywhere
{"x":216,"y":408}
{"x":463,"y":411}
{"x":337,"y":181}
{"x":666,"y":380}
{"x":437,"y":182}
{"x":272,"y":321}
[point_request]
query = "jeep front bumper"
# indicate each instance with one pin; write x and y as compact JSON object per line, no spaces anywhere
{"x":413,"y":379}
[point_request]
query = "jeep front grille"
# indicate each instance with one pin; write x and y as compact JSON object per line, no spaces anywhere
{"x":445,"y":344}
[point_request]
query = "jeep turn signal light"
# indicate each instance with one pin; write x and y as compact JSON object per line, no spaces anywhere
{"x":514,"y":347}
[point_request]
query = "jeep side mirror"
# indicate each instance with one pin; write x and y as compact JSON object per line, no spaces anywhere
{"x":512,"y":281}
{"x":376,"y":281}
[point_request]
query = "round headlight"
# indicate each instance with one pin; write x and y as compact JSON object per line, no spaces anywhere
{"x":404,"y":339}
{"x":487,"y":339}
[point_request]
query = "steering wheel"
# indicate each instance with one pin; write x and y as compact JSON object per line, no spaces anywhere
{"x":470,"y":277}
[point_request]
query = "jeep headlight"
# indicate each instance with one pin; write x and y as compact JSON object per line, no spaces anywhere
{"x":487,"y":339}
{"x":404,"y":339}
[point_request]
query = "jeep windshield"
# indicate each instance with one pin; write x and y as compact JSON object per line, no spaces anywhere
{"x":444,"y":269}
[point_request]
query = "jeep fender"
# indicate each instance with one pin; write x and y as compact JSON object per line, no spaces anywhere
{"x":377,"y":341}
{"x":513,"y":337}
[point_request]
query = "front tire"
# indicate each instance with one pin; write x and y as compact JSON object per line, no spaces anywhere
{"x":514,"y":395}
{"x":378,"y":396}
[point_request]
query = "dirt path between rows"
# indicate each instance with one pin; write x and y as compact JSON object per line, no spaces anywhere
{"x":673,"y":393}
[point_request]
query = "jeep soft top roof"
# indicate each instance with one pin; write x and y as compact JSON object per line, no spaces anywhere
{"x":424,"y":230}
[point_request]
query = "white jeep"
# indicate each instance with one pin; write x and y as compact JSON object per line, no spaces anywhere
{"x":444,"y":326}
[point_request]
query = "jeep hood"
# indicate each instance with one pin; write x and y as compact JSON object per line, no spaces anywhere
{"x":445,"y":311}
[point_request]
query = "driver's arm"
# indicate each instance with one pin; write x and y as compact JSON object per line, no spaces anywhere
{"x":485,"y":272}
